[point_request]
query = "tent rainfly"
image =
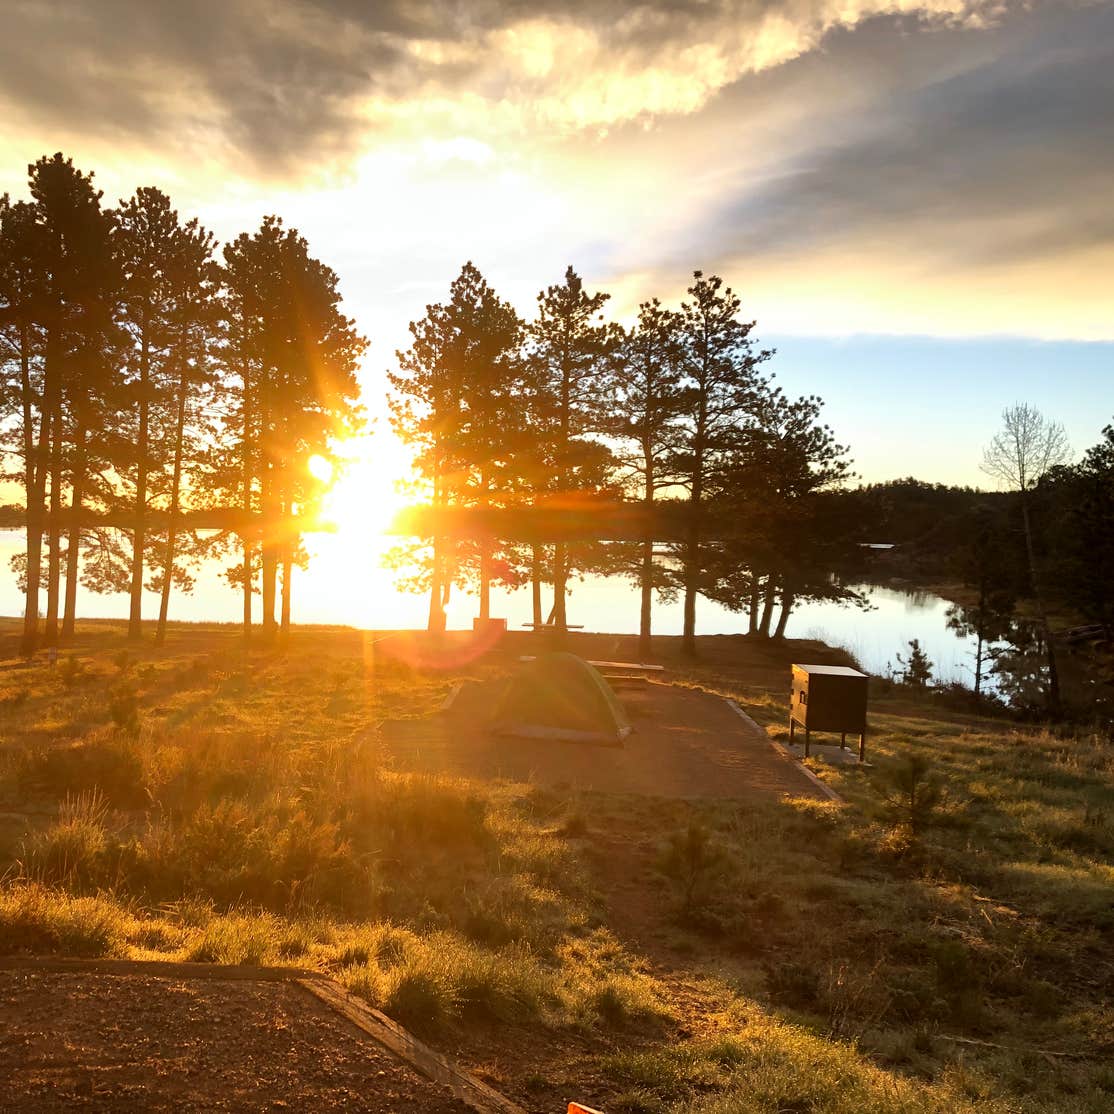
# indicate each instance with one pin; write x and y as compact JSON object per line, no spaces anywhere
{"x":560,"y":696}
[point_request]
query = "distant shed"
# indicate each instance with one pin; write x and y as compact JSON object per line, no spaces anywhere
{"x":829,"y":698}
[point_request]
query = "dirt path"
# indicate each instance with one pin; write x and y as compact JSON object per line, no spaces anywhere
{"x":686,"y":743}
{"x":96,"y":1042}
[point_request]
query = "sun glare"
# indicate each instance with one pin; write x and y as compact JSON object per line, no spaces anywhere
{"x":364,"y":498}
{"x":320,"y":468}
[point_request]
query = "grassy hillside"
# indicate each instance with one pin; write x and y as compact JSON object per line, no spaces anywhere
{"x":940,"y":943}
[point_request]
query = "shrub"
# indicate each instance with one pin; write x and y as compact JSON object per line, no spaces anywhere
{"x":694,"y":862}
{"x":36,"y":919}
{"x":235,"y":939}
{"x":413,"y":810}
{"x":72,"y":851}
{"x":795,"y":985}
{"x":111,"y":767}
{"x":71,"y":672}
{"x":918,"y":669}
{"x":123,"y":708}
{"x":913,"y":792}
{"x":420,"y":995}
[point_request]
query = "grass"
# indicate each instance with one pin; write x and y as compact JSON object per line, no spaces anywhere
{"x":940,"y":943}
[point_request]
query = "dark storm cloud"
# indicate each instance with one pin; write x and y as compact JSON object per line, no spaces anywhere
{"x":272,"y":78}
{"x":1007,"y":160}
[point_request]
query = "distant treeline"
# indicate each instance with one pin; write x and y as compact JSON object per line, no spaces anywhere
{"x":142,"y":373}
{"x":949,"y":535}
{"x":1034,"y":564}
{"x":566,"y":407}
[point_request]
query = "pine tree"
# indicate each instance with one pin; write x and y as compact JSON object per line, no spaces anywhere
{"x":650,"y":403}
{"x":783,"y":539}
{"x":291,"y":360}
{"x":571,"y":355}
{"x":22,"y":368}
{"x":454,"y":402}
{"x":166,"y":300}
{"x":721,"y":369}
{"x":74,"y":307}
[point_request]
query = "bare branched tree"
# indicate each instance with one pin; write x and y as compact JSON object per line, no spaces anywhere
{"x":1028,"y":446}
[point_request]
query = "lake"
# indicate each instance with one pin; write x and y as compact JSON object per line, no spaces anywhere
{"x":346,"y":584}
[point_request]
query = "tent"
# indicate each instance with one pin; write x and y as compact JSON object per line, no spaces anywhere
{"x":560,"y":696}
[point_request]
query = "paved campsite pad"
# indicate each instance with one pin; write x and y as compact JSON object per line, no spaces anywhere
{"x":685,"y":743}
{"x":103,"y":1042}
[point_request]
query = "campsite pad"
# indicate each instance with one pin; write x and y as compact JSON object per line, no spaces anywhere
{"x":78,"y":1040}
{"x":685,"y":743}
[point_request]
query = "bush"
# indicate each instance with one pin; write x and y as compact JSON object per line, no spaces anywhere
{"x":278,"y":859}
{"x":695,"y":863}
{"x":918,"y":669}
{"x":235,"y":939}
{"x":111,"y":767}
{"x":73,"y":851}
{"x":123,"y":708}
{"x":36,"y":919}
{"x":412,"y":810}
{"x":71,"y":672}
{"x":913,"y":793}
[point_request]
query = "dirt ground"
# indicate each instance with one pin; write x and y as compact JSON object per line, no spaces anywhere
{"x":102,"y":1042}
{"x":684,"y":743}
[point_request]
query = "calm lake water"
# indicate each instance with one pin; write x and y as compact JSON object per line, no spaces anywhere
{"x":349,"y":586}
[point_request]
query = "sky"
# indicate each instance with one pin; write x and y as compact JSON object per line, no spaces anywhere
{"x":912,"y":199}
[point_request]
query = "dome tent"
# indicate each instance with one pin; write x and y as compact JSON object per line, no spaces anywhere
{"x":560,"y":696}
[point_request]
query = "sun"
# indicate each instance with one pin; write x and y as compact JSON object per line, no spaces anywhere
{"x":320,"y":468}
{"x":346,"y":581}
{"x":363,"y":498}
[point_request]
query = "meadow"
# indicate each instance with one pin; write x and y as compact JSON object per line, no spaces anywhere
{"x":940,"y":942}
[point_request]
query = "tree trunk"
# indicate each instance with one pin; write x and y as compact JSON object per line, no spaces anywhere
{"x":485,"y":555}
{"x":287,"y":584}
{"x":752,"y":610}
{"x":692,"y":549}
{"x":247,"y":537}
{"x":436,"y":622}
{"x":172,"y":519}
{"x":978,"y":665}
{"x":35,"y":479}
{"x":271,"y":507}
{"x":1050,"y":649}
{"x":139,"y":538}
{"x":536,"y":585}
{"x":560,"y":580}
{"x":54,"y":535}
{"x":688,"y":633}
{"x":768,"y":607}
{"x":269,"y":555}
{"x":559,"y":616}
{"x":787,"y":601}
{"x":485,"y":580}
{"x":646,"y":612}
{"x":645,"y":619}
{"x":73,"y":549}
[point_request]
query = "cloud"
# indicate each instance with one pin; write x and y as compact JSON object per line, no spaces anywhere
{"x":1010,"y":158}
{"x":289,"y":83}
{"x":848,"y":163}
{"x":957,"y":181}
